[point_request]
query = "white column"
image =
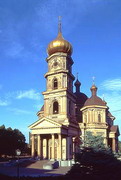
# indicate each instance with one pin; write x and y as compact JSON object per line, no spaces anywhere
{"x":60,"y":146}
{"x":47,"y":149}
{"x":87,"y":116}
{"x":53,"y":146}
{"x":91,"y":112}
{"x":114,"y":144}
{"x":68,"y":147}
{"x":44,"y":148}
{"x":38,"y":145}
{"x":94,"y":116}
{"x":104,"y":117}
{"x":73,"y":147}
{"x":32,"y":148}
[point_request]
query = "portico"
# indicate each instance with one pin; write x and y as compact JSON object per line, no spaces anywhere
{"x":51,"y":142}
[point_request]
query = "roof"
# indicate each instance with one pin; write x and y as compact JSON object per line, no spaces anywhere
{"x":39,"y":123}
{"x":114,"y":129}
{"x":110,"y":115}
{"x":42,"y":108}
{"x":94,"y":100}
{"x":77,"y":83}
{"x":80,"y":98}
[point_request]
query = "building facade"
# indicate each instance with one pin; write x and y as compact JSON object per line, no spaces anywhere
{"x":66,"y":116}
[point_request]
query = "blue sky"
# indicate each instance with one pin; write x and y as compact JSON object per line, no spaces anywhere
{"x":93,"y":27}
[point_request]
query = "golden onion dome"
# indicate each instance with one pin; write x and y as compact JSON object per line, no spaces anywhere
{"x":59,"y":44}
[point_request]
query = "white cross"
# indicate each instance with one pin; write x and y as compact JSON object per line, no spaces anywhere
{"x":93,"y":78}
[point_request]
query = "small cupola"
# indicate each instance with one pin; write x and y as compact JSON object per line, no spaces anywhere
{"x":93,"y":90}
{"x":94,"y":99}
{"x":77,"y":84}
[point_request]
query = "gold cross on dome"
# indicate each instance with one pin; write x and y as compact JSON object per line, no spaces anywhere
{"x":59,"y":23}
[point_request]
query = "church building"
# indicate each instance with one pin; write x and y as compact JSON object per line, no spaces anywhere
{"x":66,"y":116}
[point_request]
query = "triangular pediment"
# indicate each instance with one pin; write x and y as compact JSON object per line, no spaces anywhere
{"x":44,"y":123}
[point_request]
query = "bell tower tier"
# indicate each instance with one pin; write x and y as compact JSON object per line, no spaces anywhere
{"x":59,"y":75}
{"x":59,"y":99}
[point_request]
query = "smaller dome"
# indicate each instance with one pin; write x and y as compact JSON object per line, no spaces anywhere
{"x":93,"y":90}
{"x":80,"y":98}
{"x":77,"y":83}
{"x":94,"y":99}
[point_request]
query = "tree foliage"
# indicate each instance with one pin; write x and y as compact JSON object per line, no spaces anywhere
{"x":119,"y":146}
{"x":95,"y":161}
{"x":96,"y":165}
{"x":10,"y":140}
{"x":95,"y":141}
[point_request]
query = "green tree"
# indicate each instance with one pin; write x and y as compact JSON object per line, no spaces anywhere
{"x":2,"y":139}
{"x":95,"y":141}
{"x":11,"y":140}
{"x":95,"y":161}
{"x":119,"y":146}
{"x":2,"y":127}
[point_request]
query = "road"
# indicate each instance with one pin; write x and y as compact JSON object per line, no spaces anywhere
{"x":34,"y":169}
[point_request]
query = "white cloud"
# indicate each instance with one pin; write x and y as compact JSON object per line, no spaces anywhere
{"x":15,"y":49}
{"x":112,"y":85}
{"x":4,"y":102}
{"x":18,"y":111}
{"x":112,"y":95}
{"x":114,"y":101}
{"x":30,"y":94}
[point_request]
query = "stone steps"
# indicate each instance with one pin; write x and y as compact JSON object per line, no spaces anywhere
{"x":38,"y":164}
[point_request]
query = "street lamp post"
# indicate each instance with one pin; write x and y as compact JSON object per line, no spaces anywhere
{"x":18,"y":153}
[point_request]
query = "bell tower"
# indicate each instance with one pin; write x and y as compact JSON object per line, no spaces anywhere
{"x":59,"y":99}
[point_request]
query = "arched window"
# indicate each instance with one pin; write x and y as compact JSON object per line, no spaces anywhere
{"x":55,"y":83}
{"x":99,"y":118}
{"x":55,"y":108}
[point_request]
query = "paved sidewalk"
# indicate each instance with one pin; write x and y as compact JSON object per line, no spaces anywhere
{"x":34,"y":169}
